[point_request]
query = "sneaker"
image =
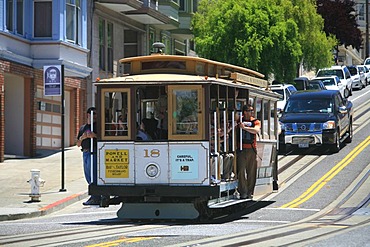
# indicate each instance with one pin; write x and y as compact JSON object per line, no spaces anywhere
{"x":91,"y":201}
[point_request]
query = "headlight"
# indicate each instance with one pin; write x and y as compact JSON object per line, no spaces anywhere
{"x":329,"y":125}
{"x":152,"y":170}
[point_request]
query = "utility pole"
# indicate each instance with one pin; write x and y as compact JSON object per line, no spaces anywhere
{"x":367,"y":28}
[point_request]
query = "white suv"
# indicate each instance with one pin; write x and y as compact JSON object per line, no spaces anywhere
{"x":285,"y":90}
{"x":342,"y":72}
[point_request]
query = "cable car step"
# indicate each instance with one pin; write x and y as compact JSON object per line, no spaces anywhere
{"x":226,"y":203}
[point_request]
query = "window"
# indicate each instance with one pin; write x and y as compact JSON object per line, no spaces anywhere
{"x":20,"y":17}
{"x":182,"y":5}
{"x":185,"y":112}
{"x":9,"y":15}
{"x":166,"y":40}
{"x":361,"y":11}
{"x":116,"y":118}
{"x":130,"y":47}
{"x":49,"y":107}
{"x":42,"y":20}
{"x":110,"y":46}
{"x":151,"y":39}
{"x":102,"y":44}
{"x":106,"y":46}
{"x":16,"y":11}
{"x":74,"y":21}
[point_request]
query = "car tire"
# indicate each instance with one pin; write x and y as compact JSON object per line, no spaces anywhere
{"x":350,"y":133}
{"x":282,"y":149}
{"x":346,"y":93}
{"x":334,"y":148}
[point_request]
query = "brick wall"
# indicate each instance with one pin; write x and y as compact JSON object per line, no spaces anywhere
{"x":33,"y":78}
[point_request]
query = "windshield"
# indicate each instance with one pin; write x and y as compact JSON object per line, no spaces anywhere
{"x":329,"y":72}
{"x":309,"y":105}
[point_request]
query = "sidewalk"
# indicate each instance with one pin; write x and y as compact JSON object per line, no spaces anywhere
{"x":14,"y":190}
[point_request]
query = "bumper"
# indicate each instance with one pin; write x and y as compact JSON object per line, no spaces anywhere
{"x":357,"y":84}
{"x":305,"y":140}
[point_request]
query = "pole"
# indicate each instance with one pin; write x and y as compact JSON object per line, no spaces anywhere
{"x":62,"y":119}
{"x":367,"y":28}
{"x":92,"y":147}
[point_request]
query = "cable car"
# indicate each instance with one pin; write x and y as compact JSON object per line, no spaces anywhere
{"x":167,"y":142}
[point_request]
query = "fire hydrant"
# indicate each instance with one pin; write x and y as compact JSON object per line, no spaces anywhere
{"x":35,"y":183}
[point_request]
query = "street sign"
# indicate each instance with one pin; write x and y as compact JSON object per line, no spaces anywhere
{"x":53,"y":80}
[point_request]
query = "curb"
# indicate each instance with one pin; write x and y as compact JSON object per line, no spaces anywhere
{"x":58,"y":205}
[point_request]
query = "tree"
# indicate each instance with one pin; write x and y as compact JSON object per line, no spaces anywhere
{"x":270,"y":36}
{"x":340,"y":20}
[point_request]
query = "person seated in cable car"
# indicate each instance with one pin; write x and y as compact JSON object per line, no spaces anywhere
{"x":142,"y":133}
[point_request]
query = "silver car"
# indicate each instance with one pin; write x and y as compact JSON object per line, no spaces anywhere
{"x":358,"y":76}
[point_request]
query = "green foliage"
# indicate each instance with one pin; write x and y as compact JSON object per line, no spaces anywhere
{"x":270,"y":36}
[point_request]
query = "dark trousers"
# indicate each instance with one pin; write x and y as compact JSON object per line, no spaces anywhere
{"x":247,"y":171}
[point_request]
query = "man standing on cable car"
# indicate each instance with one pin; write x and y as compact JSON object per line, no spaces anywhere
{"x":247,"y":155}
{"x":84,"y":138}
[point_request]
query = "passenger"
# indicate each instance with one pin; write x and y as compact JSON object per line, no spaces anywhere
{"x":161,"y":114}
{"x":121,"y":126}
{"x":141,"y":132}
{"x":84,"y":138}
{"x":247,"y":156}
{"x":225,"y":160}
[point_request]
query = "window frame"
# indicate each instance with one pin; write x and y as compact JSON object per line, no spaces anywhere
{"x":76,"y":26}
{"x":102,"y":114}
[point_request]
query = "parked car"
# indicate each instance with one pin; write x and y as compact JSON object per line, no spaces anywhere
{"x":285,"y":90}
{"x":367,"y":62}
{"x":342,"y":72}
{"x":332,"y":83}
{"x":316,"y":118}
{"x":358,"y":76}
{"x":316,"y":84}
{"x":367,"y":73}
{"x":301,"y":83}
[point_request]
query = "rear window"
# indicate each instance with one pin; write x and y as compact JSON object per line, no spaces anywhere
{"x":352,"y":70}
{"x":330,"y":72}
{"x":328,"y":82}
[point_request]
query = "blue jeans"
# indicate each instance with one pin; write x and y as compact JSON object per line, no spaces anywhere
{"x":87,"y":166}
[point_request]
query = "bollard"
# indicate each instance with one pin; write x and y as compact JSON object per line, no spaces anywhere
{"x":35,"y":183}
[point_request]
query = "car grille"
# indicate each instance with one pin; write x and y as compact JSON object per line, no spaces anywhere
{"x":303,"y":127}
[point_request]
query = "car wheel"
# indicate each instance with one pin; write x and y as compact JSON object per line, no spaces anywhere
{"x":346,"y":93}
{"x":282,"y":149}
{"x":349,"y":133}
{"x":336,"y":146}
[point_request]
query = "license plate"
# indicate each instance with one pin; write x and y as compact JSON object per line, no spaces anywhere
{"x":303,"y":145}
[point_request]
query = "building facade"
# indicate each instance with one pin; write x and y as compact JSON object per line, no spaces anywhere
{"x":87,"y":37}
{"x":127,"y":28}
{"x":34,"y":34}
